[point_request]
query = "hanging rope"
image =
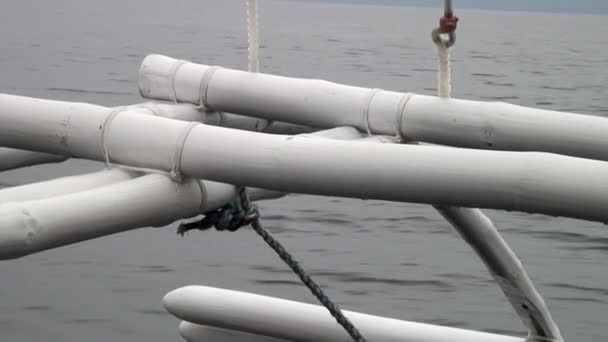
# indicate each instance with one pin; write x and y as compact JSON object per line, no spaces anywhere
{"x":243,"y":213}
{"x":252,"y":35}
{"x":444,"y":37}
{"x":253,"y":49}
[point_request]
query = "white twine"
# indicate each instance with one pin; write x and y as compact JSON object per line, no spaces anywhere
{"x":176,"y":163}
{"x":105,"y":128}
{"x":204,"y":88}
{"x":444,"y":72}
{"x":252,"y":35}
{"x":366,"y":107}
{"x":172,"y":73}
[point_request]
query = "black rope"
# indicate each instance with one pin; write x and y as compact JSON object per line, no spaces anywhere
{"x":242,"y":213}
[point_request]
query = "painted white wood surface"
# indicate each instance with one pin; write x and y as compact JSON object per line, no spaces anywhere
{"x":531,"y":182}
{"x":322,"y":104}
{"x":289,"y":320}
{"x":11,"y":158}
{"x":152,"y":200}
{"x":190,"y":112}
{"x":65,"y":185}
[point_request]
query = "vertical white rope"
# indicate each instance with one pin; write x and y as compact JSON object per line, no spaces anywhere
{"x":444,"y":72}
{"x":252,"y":35}
{"x":253,"y":47}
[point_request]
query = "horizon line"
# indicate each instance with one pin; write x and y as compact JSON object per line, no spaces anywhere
{"x":465,"y":7}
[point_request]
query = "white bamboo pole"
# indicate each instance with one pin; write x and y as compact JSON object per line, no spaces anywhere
{"x":152,"y":200}
{"x":40,"y":221}
{"x":189,"y":112}
{"x":473,"y":124}
{"x":200,"y":333}
{"x":301,"y":322}
{"x":65,"y":185}
{"x":530,"y":182}
{"x":11,"y":158}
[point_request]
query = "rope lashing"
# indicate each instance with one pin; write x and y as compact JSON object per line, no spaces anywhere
{"x":203,"y":104}
{"x":105,"y":128}
{"x":447,"y":26}
{"x":171,"y":75}
{"x":231,"y":217}
{"x":241,"y":213}
{"x":176,"y":162}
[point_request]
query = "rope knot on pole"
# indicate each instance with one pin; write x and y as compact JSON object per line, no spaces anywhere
{"x":242,"y":212}
{"x":230,"y":217}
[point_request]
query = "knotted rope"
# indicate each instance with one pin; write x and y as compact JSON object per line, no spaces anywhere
{"x":242,"y":213}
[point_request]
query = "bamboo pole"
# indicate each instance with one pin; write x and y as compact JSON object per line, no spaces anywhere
{"x":293,"y":321}
{"x":322,"y":104}
{"x":11,"y":158}
{"x":505,"y":267}
{"x":152,"y":200}
{"x":65,"y":185}
{"x":190,"y":112}
{"x":530,"y":182}
{"x":34,"y":216}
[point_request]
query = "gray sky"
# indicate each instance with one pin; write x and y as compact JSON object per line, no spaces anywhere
{"x":568,"y":6}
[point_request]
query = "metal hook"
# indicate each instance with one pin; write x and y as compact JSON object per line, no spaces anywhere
{"x":446,"y":43}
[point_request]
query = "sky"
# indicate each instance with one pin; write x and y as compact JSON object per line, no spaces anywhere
{"x":562,"y":6}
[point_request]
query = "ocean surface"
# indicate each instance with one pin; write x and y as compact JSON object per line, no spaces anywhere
{"x":392,"y":259}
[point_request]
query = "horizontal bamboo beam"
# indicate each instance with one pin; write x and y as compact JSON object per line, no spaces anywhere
{"x":151,"y":200}
{"x":11,"y":158}
{"x":35,"y":216}
{"x":65,"y":185}
{"x":190,"y":112}
{"x":530,"y":182}
{"x":322,"y":104}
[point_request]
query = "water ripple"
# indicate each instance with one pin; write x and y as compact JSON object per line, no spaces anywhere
{"x":586,"y":289}
{"x":80,"y":321}
{"x":361,"y":278}
{"x":277,"y":282}
{"x":37,"y":308}
{"x":557,"y":88}
{"x":85,"y":91}
{"x":153,"y":312}
{"x":480,"y":74}
{"x":497,"y":84}
{"x":154,"y":269}
{"x":578,"y":299}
